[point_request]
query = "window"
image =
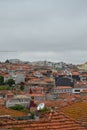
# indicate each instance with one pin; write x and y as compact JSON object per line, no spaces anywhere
{"x":77,"y":90}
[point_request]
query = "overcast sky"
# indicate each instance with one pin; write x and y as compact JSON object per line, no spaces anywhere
{"x":53,"y":30}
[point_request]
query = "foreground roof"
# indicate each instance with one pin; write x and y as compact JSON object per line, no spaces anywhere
{"x":77,"y":111}
{"x":50,"y":121}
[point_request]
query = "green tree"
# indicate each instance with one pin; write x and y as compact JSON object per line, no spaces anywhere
{"x":17,"y":107}
{"x":7,"y":61}
{"x":1,"y":80}
{"x":10,"y":82}
{"x":21,"y":86}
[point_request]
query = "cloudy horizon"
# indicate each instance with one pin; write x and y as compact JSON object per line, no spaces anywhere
{"x":38,"y":30}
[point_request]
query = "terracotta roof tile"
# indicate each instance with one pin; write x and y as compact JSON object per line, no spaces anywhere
{"x":58,"y":121}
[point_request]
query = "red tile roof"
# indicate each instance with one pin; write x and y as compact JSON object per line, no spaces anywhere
{"x":77,"y":111}
{"x":52,"y":121}
{"x":7,"y":111}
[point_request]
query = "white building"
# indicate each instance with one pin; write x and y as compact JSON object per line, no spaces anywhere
{"x":19,"y":99}
{"x":18,"y":78}
{"x":7,"y":77}
{"x":63,"y":89}
{"x":68,"y":89}
{"x":38,"y":74}
{"x":77,"y":90}
{"x":15,"y":61}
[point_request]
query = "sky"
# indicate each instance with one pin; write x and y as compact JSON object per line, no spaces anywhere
{"x":37,"y":30}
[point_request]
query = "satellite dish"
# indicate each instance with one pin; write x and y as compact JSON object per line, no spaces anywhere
{"x":40,"y":106}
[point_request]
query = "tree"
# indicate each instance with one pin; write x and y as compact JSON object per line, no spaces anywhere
{"x":21,"y":86}
{"x":17,"y":107}
{"x":1,"y":80}
{"x":10,"y":82}
{"x":7,"y":61}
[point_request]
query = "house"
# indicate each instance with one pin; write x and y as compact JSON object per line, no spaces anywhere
{"x":19,"y":99}
{"x":38,"y":74}
{"x":19,"y":77}
{"x":64,"y":81}
{"x":76,"y":75}
{"x":77,"y":90}
{"x":62,"y":89}
{"x":68,"y":90}
{"x":2,"y":102}
{"x":14,"y":61}
{"x":6,"y":94}
{"x":6,"y":77}
{"x":82,"y":66}
{"x":83,"y":76}
{"x":83,"y":93}
{"x":38,"y":97}
{"x":53,"y":120}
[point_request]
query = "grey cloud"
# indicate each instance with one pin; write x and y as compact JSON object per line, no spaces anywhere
{"x":44,"y":26}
